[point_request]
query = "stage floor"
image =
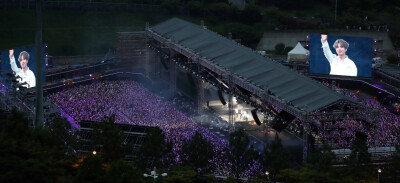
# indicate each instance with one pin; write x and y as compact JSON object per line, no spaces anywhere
{"x":259,"y":135}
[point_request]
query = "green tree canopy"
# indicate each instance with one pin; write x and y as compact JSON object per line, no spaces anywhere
{"x":276,"y":158}
{"x":91,"y":169}
{"x":32,"y":154}
{"x":199,"y":151}
{"x":250,"y":15}
{"x":240,"y":154}
{"x":280,"y":49}
{"x":123,"y":172}
{"x":153,"y":149}
{"x":393,"y":59}
{"x":322,"y":158}
{"x":107,"y":140}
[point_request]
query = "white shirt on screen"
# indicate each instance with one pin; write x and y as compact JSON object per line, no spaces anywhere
{"x":345,"y":67}
{"x":26,"y":76}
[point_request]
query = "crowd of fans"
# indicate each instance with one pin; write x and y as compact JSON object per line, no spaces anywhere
{"x":384,"y":132}
{"x":133,"y":104}
{"x":3,"y":88}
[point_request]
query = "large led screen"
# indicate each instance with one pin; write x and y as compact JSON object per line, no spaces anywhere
{"x":340,"y":55}
{"x":21,"y":62}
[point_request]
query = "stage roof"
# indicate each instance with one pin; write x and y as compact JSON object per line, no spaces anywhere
{"x":298,"y":90}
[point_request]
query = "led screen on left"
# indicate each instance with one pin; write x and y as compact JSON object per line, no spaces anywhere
{"x":22,"y":62}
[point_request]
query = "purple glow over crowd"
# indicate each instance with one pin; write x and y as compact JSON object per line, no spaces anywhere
{"x":340,"y":134}
{"x":133,"y":104}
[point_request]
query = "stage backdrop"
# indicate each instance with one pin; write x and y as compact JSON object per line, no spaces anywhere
{"x":359,"y":51}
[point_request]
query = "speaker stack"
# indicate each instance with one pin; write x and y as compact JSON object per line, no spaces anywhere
{"x":221,"y":97}
{"x":255,"y":117}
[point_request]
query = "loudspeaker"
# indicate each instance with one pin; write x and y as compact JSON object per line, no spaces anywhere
{"x":278,"y":124}
{"x":221,"y":97}
{"x":286,"y":116}
{"x":282,"y":121}
{"x":255,"y":117}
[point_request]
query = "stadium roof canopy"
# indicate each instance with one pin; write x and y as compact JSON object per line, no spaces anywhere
{"x":294,"y":88}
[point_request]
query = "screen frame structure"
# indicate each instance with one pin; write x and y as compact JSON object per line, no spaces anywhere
{"x":359,"y":51}
{"x":31,"y":49}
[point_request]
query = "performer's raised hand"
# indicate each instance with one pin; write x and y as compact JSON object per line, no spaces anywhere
{"x":11,"y":53}
{"x":324,"y":37}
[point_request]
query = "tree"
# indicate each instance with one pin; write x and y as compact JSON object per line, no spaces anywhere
{"x":287,"y":50}
{"x":280,"y":49}
{"x":348,"y":19}
{"x":180,"y":174}
{"x":359,"y":151}
{"x":240,"y":155}
{"x":199,"y":151}
{"x":170,"y":5}
{"x":153,"y":149}
{"x":221,"y":10}
{"x":322,"y":158}
{"x":195,"y":7}
{"x":246,"y":33}
{"x":360,"y":158}
{"x":307,"y":174}
{"x":121,"y":172}
{"x":250,"y":15}
{"x":107,"y":139}
{"x":393,"y":170}
{"x":31,"y":154}
{"x":62,"y":130}
{"x":392,"y":59}
{"x":91,"y":170}
{"x":317,"y":169}
{"x":275,"y":15}
{"x":276,"y":158}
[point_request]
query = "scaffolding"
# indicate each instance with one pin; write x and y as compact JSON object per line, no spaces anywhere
{"x":260,"y":97}
{"x":133,"y":134}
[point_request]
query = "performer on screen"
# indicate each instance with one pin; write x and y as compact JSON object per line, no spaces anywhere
{"x":24,"y":72}
{"x":340,"y":63}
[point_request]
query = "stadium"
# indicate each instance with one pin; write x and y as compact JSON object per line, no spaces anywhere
{"x":186,"y":79}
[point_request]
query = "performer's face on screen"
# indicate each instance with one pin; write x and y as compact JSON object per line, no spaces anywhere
{"x":23,"y":62}
{"x":340,"y":50}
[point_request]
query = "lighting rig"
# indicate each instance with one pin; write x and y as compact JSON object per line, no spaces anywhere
{"x":218,"y":82}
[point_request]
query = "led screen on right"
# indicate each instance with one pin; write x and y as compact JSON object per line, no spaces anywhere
{"x":340,"y":55}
